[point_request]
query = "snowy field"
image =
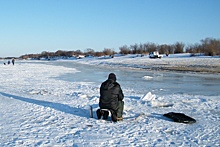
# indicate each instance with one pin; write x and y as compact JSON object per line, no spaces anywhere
{"x":39,"y":108}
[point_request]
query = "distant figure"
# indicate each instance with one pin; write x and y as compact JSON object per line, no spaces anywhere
{"x":13,"y":61}
{"x":9,"y":62}
{"x":111,"y":98}
{"x":4,"y":63}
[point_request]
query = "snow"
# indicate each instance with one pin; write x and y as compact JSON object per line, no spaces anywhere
{"x":38,"y":108}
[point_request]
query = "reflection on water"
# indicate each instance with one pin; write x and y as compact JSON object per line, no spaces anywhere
{"x":158,"y":82}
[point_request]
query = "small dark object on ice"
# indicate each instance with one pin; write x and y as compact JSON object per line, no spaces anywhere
{"x":180,"y":117}
{"x":89,"y":125}
{"x":91,"y":112}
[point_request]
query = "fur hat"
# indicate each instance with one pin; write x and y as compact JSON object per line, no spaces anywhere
{"x":112,"y":76}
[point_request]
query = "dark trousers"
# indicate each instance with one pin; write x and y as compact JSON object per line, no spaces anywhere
{"x":120,"y":108}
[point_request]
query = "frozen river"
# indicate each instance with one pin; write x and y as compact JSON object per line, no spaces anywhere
{"x":142,"y":81}
{"x":46,"y":103}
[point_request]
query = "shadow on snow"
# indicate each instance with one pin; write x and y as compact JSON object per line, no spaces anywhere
{"x":57,"y":106}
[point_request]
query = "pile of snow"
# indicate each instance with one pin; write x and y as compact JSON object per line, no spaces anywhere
{"x":147,"y":77}
{"x":39,"y":109}
{"x":148,"y":97}
{"x":155,"y":101}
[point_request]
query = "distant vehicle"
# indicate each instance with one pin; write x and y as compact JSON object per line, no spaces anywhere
{"x":155,"y":55}
{"x":80,"y":56}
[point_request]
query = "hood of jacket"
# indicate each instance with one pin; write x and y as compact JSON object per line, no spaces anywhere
{"x":108,"y":84}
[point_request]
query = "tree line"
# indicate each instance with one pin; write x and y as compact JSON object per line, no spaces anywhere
{"x":207,"y":46}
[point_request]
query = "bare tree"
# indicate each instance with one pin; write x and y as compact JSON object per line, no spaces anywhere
{"x":89,"y":51}
{"x":163,"y":49}
{"x":108,"y":51}
{"x":78,"y":52}
{"x":70,"y":53}
{"x":178,"y":47}
{"x":150,"y":47}
{"x":125,"y":50}
{"x":194,"y":48}
{"x":211,"y":46}
{"x":60,"y":53}
{"x":134,"y":48}
{"x":98,"y":54}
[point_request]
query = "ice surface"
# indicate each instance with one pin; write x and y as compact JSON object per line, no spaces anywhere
{"x":48,"y":103}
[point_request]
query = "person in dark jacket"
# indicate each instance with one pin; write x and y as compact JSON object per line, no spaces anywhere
{"x":111,"y":98}
{"x":13,"y":61}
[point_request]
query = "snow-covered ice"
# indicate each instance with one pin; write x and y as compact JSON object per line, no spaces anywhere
{"x":41,"y":106}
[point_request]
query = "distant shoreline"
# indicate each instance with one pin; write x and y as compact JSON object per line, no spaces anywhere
{"x":190,"y":69}
{"x":187,"y":69}
{"x":188,"y":64}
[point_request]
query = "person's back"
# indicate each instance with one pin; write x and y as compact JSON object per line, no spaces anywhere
{"x":111,"y":96}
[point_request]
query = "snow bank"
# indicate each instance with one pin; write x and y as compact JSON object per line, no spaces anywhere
{"x":174,"y":62}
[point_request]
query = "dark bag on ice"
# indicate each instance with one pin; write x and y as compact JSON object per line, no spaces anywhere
{"x":180,"y":117}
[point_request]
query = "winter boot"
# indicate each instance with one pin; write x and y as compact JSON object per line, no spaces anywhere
{"x":105,"y":115}
{"x":99,"y":113}
{"x":119,"y":118}
{"x":114,"y":116}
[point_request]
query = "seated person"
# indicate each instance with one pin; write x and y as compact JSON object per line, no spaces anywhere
{"x":111,"y":98}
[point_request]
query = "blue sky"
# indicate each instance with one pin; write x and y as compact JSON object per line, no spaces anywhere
{"x":34,"y":26}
